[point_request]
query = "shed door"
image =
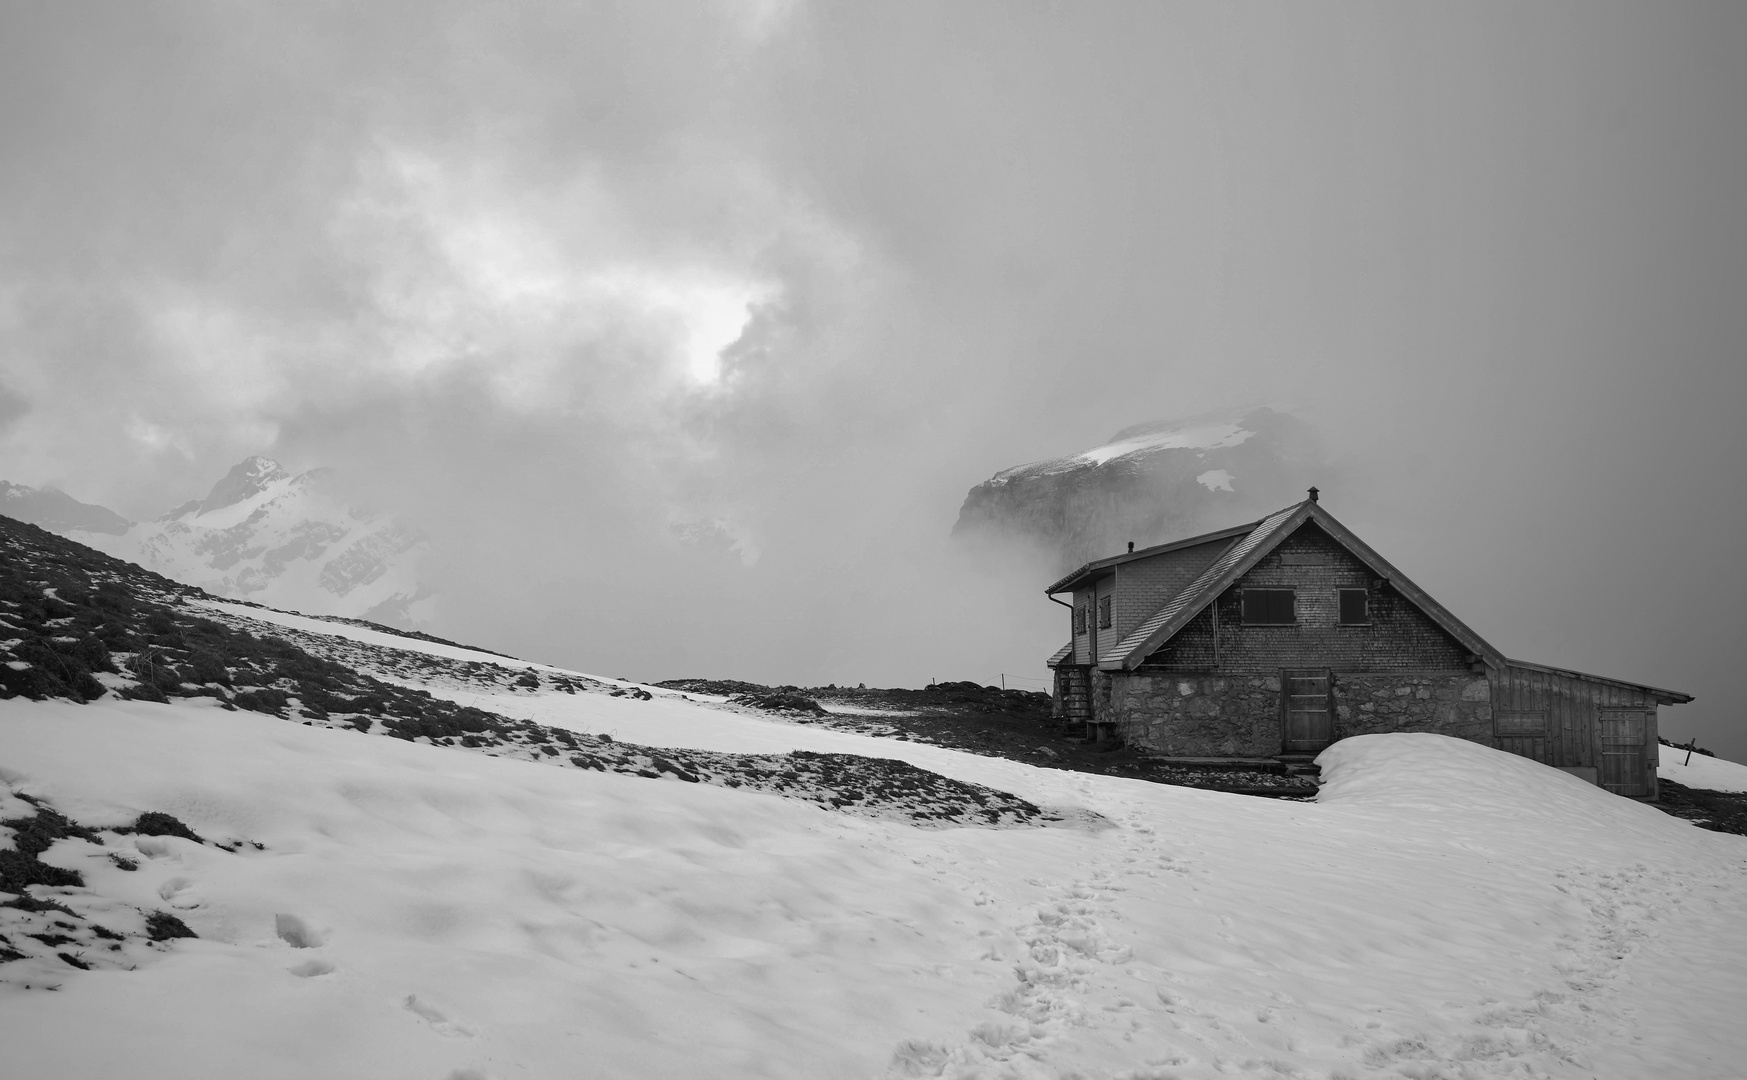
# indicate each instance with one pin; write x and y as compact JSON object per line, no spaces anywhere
{"x":1622,"y":751}
{"x":1308,"y":723}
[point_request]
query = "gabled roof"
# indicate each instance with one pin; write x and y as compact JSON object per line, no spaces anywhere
{"x":1262,"y":538}
{"x":1102,"y":568}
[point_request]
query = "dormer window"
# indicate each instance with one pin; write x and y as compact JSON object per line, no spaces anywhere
{"x":1355,"y":607}
{"x":1269,"y":607}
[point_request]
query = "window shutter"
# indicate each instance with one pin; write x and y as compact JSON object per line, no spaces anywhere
{"x":1268,"y":607}
{"x":1355,"y":607}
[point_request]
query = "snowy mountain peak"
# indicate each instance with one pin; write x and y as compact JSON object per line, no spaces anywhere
{"x":260,"y":534}
{"x":1148,"y":483}
{"x":247,"y":478}
{"x":1203,"y":435}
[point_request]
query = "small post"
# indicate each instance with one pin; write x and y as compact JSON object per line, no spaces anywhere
{"x":1690,"y":743}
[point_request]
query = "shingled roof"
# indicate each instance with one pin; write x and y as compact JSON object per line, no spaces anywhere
{"x":1263,"y":537}
{"x":1102,"y":568}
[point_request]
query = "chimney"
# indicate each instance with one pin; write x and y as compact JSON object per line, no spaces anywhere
{"x":1131,"y":547}
{"x":1313,"y":494}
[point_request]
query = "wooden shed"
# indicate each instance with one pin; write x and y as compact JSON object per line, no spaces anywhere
{"x":1272,"y":640}
{"x":1601,"y":729}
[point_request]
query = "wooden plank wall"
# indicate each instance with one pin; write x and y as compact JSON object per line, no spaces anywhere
{"x":1571,"y":705}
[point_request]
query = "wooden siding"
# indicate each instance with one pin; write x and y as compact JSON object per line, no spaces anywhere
{"x":1083,"y":641}
{"x":1146,"y":585}
{"x":1568,"y":710}
{"x":1096,"y":641}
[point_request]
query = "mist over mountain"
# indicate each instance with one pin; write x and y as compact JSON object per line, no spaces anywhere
{"x":1150,"y":483}
{"x":260,"y":534}
{"x":57,"y":511}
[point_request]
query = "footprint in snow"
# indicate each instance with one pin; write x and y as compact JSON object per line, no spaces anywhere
{"x":175,"y":893}
{"x":441,"y":1024}
{"x":297,"y":933}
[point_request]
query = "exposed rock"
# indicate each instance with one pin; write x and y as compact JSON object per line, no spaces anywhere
{"x":1151,"y":483}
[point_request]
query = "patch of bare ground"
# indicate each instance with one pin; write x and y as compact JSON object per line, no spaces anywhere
{"x":1719,"y":811}
{"x":987,"y":720}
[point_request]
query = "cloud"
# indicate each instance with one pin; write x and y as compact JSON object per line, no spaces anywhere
{"x":557,"y":278}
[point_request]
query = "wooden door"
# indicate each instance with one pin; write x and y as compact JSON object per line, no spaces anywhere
{"x":1521,"y":732}
{"x":1304,"y":701}
{"x":1622,"y":751}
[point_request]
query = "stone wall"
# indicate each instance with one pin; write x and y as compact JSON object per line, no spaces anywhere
{"x":1198,"y":715}
{"x":1239,"y":715}
{"x":1458,"y":705}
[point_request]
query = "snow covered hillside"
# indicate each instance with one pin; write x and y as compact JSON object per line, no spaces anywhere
{"x":388,"y":884}
{"x":1700,"y":771}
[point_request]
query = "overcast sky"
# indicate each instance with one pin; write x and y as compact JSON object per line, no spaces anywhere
{"x":548,"y":280}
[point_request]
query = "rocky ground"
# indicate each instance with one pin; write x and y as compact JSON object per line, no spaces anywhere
{"x":1719,"y":811}
{"x":987,"y":720}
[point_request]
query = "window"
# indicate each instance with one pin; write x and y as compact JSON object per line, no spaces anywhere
{"x":1355,"y":607}
{"x":1104,"y":613}
{"x":1268,"y":607}
{"x":1079,"y":619}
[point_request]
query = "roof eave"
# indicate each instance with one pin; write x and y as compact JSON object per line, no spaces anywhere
{"x":1400,"y":582}
{"x":1303,"y":512}
{"x":1091,"y":570}
{"x":1666,"y":697}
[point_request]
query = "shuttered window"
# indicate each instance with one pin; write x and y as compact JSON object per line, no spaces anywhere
{"x":1268,"y":607}
{"x":1079,"y":620}
{"x":1355,"y":607}
{"x":1104,"y":613}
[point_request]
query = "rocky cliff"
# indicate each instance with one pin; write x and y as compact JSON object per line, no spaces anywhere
{"x":1150,"y":483}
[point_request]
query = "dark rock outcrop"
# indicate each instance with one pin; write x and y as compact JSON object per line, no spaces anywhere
{"x":1151,"y":483}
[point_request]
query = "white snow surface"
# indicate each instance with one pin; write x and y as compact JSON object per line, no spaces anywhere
{"x":1216,"y":480}
{"x":1710,"y":773}
{"x":1195,"y":437}
{"x":1443,"y":910}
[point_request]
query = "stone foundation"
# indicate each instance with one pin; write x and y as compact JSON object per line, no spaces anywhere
{"x":1239,"y":715}
{"x":1457,"y":705}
